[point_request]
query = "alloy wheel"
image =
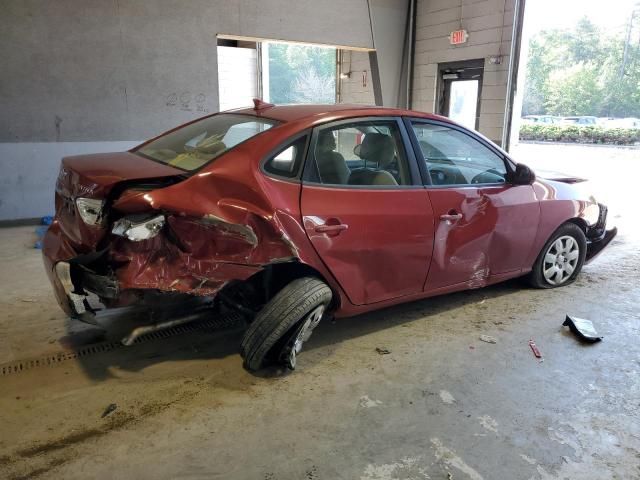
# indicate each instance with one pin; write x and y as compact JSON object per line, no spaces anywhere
{"x":560,"y":260}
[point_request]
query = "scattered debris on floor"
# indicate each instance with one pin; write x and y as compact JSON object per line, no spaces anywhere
{"x":28,"y":300}
{"x":366,"y":402}
{"x":488,"y":339}
{"x":534,"y":349}
{"x":582,"y":328}
{"x":446,"y":397}
{"x":382,"y":351}
{"x":110,"y":409}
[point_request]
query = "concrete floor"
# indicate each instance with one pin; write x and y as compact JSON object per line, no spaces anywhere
{"x":441,"y":405}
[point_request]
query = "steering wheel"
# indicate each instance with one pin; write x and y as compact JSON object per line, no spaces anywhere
{"x":488,"y":176}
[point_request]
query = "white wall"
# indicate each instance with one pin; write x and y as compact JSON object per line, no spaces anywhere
{"x":489,"y":24}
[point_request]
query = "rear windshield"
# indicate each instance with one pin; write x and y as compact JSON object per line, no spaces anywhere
{"x":198,"y":143}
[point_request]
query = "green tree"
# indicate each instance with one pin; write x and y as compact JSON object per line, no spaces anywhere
{"x":578,"y":71}
{"x":301,"y":74}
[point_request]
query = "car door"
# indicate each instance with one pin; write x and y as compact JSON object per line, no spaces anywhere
{"x":365,"y":209}
{"x":485,"y":225}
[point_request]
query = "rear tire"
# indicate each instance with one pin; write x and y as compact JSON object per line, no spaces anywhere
{"x":561,"y":259}
{"x":281,"y":318}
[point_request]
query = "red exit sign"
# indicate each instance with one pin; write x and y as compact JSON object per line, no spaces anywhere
{"x":458,"y":37}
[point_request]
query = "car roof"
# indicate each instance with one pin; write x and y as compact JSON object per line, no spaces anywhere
{"x":316,"y":113}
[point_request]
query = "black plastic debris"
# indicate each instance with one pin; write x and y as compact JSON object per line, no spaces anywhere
{"x":583,"y":329}
{"x":382,"y":351}
{"x":110,"y":409}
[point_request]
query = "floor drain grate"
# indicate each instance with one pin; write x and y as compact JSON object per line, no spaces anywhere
{"x":218,"y":323}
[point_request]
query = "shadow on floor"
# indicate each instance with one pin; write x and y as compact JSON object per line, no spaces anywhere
{"x":211,"y":344}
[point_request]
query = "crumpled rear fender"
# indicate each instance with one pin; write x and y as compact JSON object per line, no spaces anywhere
{"x":226,"y":223}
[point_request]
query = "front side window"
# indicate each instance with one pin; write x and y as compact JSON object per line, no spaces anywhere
{"x":360,"y":154}
{"x":192,"y":146}
{"x":455,"y":158}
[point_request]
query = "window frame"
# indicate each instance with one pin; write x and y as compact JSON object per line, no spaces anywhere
{"x":309,"y":176}
{"x":426,"y":177}
{"x":281,"y":148}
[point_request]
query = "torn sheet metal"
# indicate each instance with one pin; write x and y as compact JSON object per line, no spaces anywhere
{"x":583,"y":329}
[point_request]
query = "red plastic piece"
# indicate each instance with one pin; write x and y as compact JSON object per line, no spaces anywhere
{"x":534,"y":349}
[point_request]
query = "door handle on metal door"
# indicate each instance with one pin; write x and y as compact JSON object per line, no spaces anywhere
{"x":451,"y":217}
{"x":331,"y":228}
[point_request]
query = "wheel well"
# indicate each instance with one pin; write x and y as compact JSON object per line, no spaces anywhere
{"x":263,"y":286}
{"x":580,"y":223}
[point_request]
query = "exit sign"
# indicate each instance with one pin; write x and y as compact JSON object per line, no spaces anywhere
{"x":458,"y":37}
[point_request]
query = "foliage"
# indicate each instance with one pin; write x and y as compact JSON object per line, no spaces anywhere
{"x":301,"y":74}
{"x":580,"y":134}
{"x":583,"y":71}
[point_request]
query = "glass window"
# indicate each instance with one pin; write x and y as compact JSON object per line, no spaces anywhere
{"x":463,"y":102}
{"x":455,"y":158}
{"x":361,"y":153}
{"x":299,"y":73}
{"x":192,"y":146}
{"x":286,"y":162}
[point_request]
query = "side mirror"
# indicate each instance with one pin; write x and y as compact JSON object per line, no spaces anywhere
{"x":523,"y":175}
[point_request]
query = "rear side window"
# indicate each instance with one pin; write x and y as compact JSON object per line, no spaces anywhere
{"x":287,"y":161}
{"x":194,"y":145}
{"x":361,"y":153}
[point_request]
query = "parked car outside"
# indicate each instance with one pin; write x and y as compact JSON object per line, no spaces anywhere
{"x":290,"y":214}
{"x":540,"y":120}
{"x":581,"y":121}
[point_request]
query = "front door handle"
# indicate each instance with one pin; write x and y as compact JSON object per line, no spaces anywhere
{"x":331,"y":228}
{"x":451,"y":217}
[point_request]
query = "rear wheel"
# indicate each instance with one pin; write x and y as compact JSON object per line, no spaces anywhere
{"x":561,"y":259}
{"x":285,"y":323}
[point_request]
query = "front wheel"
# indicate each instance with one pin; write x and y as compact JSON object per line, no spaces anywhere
{"x":285,"y":323}
{"x":561,"y":258}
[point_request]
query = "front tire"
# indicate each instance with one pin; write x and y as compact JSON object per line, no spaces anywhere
{"x":284,"y":323}
{"x":561,"y":259}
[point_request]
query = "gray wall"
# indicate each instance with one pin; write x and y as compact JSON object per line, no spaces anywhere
{"x":96,"y":70}
{"x":489,"y":24}
{"x":355,"y":89}
{"x":95,"y":75}
{"x":389,"y":19}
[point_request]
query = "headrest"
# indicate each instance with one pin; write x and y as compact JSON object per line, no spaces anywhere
{"x":376,"y":145}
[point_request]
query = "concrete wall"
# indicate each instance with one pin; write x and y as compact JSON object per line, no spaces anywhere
{"x":92,"y":70}
{"x":489,"y":24}
{"x":96,"y":71}
{"x":389,"y":23}
{"x":357,"y":88}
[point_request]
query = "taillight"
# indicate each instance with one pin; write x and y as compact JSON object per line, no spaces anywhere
{"x":90,"y":210}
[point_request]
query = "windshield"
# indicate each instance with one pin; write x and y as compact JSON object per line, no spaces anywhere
{"x":193,"y":145}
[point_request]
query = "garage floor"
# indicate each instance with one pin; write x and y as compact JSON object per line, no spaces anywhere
{"x":441,"y":405}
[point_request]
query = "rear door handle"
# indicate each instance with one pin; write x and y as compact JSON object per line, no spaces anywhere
{"x":451,"y":217}
{"x":331,"y":228}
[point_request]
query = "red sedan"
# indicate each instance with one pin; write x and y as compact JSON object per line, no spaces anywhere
{"x":292,"y":213}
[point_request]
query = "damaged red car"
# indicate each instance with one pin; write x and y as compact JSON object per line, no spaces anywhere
{"x":289,"y":214}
